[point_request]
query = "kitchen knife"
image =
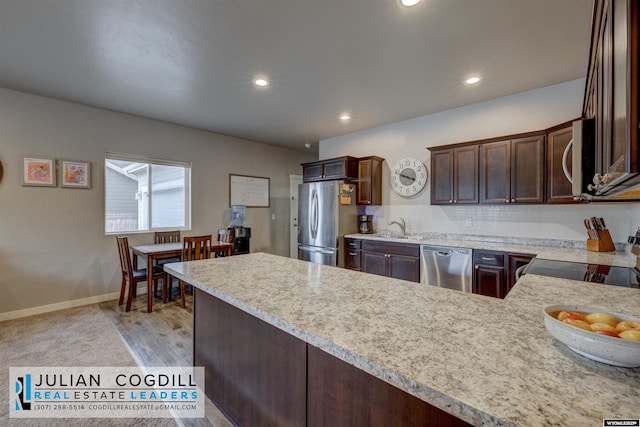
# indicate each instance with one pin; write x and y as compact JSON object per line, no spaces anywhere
{"x":593,"y":234}
{"x":602,"y":224}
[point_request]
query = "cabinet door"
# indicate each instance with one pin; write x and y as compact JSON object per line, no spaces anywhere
{"x":605,"y":143}
{"x":515,"y":261}
{"x":341,"y":168}
{"x":622,"y":154}
{"x":352,"y":259}
{"x":404,"y":267}
{"x":527,"y":170}
{"x":442,"y":177}
{"x":558,"y":186}
{"x":489,"y":281}
{"x":374,"y":263}
{"x":465,"y":175}
{"x":495,"y":175}
{"x":312,"y":172}
{"x":369,"y":187}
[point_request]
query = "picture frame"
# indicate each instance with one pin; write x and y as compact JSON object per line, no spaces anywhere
{"x":75,"y":174}
{"x":38,"y":171}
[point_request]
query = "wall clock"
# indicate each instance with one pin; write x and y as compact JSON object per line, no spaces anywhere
{"x":408,"y":176}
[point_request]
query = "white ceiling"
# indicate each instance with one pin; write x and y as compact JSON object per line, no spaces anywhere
{"x":192,"y":62}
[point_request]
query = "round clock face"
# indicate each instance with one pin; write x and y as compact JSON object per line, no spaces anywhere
{"x":408,"y":176}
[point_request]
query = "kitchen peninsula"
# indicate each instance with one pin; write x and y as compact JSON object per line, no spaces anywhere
{"x":482,"y":360}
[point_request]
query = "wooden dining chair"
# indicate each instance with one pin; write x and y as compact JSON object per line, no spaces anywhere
{"x":166,"y":236}
{"x":193,"y":249}
{"x":172,"y":236}
{"x":132,"y":277}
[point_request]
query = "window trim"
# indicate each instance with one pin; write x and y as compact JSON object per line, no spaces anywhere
{"x":158,"y":162}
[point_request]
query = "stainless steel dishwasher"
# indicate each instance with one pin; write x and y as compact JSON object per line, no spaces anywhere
{"x":446,"y":267}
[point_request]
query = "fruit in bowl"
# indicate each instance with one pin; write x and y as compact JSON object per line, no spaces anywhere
{"x":601,"y":335}
{"x":598,"y":322}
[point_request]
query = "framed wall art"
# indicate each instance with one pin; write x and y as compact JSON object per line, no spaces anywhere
{"x":75,"y":174}
{"x":39,"y":171}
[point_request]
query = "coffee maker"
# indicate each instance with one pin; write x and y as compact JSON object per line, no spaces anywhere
{"x":365,"y":224}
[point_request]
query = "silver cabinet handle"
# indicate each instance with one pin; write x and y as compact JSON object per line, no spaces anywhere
{"x":488,"y":258}
{"x":353,"y":253}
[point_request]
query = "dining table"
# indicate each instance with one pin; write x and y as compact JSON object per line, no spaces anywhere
{"x":158,"y":251}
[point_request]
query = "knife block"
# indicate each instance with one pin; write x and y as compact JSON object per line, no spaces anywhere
{"x":602,"y":244}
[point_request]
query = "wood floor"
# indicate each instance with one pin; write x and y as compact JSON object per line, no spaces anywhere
{"x":161,"y":338}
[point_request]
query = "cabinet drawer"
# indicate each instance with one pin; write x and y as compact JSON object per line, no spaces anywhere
{"x":488,"y":258}
{"x":352,"y":243}
{"x":352,"y":259}
{"x":407,"y":249}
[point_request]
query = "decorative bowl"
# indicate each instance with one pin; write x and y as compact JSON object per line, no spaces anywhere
{"x":602,"y":348}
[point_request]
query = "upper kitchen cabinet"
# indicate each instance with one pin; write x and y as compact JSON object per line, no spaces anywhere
{"x":558,"y":185}
{"x":331,"y":169}
{"x":369,"y":187}
{"x":612,"y":91}
{"x":512,"y":171}
{"x":454,"y":175}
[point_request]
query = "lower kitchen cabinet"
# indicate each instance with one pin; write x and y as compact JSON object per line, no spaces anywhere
{"x":489,"y":274}
{"x":514,"y":262}
{"x":494,"y":273}
{"x":352,"y":255}
{"x":397,"y":260}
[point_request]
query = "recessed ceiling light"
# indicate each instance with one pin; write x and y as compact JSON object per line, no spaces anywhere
{"x":307,"y":145}
{"x":344,"y":117}
{"x":472,"y":80}
{"x":261,"y":82}
{"x":409,"y":3}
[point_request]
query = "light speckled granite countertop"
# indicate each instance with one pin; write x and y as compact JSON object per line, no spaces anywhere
{"x":548,"y":249}
{"x":485,"y":360}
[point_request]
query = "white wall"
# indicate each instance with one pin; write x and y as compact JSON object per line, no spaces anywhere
{"x":52,"y":243}
{"x":528,"y":111}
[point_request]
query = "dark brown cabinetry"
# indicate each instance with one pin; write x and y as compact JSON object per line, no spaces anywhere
{"x":494,"y":272}
{"x":454,"y":175}
{"x":343,"y":395}
{"x":259,"y":375}
{"x":514,"y":262}
{"x":512,"y":171}
{"x":489,"y":273}
{"x":558,"y":185}
{"x":612,"y":90}
{"x":324,"y":170}
{"x":369,"y":187}
{"x":352,"y":255}
{"x":397,"y":260}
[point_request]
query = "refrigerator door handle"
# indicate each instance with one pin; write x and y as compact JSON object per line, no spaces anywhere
{"x":316,"y":250}
{"x":314,"y":213}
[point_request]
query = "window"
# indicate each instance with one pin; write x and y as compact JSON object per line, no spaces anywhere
{"x":144,"y":194}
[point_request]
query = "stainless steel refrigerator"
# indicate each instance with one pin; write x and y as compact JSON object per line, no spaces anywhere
{"x":323,"y":219}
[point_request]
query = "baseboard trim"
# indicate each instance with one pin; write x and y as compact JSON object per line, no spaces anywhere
{"x":60,"y":306}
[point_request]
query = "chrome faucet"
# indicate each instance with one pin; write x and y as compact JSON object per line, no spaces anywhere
{"x":402,"y":225}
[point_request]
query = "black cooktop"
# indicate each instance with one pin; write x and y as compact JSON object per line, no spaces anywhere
{"x":608,"y":275}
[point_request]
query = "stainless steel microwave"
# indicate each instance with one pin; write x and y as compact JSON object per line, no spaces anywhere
{"x":587,"y":183}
